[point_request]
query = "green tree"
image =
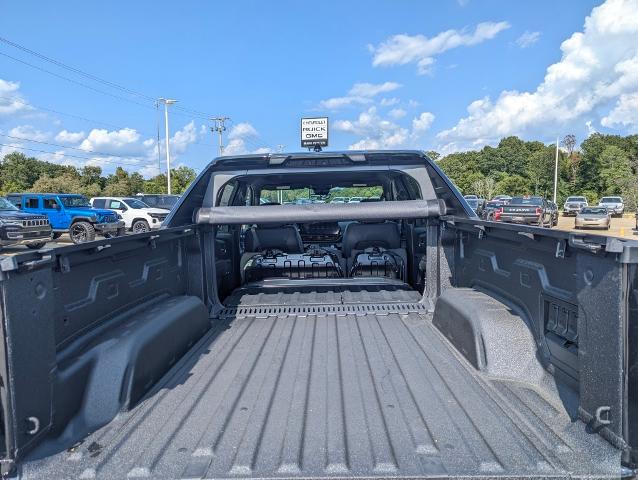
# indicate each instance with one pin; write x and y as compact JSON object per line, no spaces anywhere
{"x":66,"y":183}
{"x":181,"y":178}
{"x":614,"y":169}
{"x":433,"y":155}
{"x":512,"y":185}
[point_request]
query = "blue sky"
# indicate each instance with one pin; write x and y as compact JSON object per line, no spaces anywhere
{"x":447,"y":75}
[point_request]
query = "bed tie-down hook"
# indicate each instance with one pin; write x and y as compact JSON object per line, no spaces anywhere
{"x":602,"y":415}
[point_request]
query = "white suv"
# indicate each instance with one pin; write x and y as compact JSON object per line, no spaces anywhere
{"x":138,"y":217}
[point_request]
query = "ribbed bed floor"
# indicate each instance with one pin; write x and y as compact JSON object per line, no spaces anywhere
{"x":376,"y":394}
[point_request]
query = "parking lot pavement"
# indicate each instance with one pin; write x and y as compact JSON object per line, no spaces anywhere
{"x":18,"y":249}
{"x":620,"y":227}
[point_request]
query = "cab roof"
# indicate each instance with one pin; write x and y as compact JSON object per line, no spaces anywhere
{"x":49,"y":194}
{"x":320,"y":159}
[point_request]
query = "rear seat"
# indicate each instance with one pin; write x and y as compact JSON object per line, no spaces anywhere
{"x":377,"y":245}
{"x":273,"y":237}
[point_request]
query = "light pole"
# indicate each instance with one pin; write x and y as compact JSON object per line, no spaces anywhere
{"x":556,"y":171}
{"x":167,"y":102}
{"x":219,"y":128}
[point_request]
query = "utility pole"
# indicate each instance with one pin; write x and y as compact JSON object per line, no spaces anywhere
{"x":219,"y":128}
{"x":556,"y":171}
{"x":167,"y":102}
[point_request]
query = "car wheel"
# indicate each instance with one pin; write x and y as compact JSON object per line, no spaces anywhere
{"x":36,"y":246}
{"x":81,"y":232}
{"x":140,"y":226}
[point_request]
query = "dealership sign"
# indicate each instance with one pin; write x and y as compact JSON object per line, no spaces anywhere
{"x":314,"y":132}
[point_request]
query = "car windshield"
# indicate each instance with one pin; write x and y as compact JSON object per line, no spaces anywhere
{"x":134,"y":203}
{"x":494,"y":204}
{"x":7,"y":205}
{"x":472,"y":202}
{"x":160,"y":201}
{"x":594,"y":211}
{"x":526,"y":201}
{"x":576,"y":199}
{"x":286,"y":196}
{"x":75,"y":201}
{"x":611,"y":200}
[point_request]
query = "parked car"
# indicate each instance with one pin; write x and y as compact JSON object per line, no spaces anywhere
{"x":160,"y":200}
{"x":502,"y":198}
{"x":470,"y":197}
{"x":493,"y":210}
{"x":528,"y":210}
{"x":355,"y":200}
{"x":615,"y":205}
{"x":21,"y":228}
{"x":70,"y":213}
{"x":161,"y":359}
{"x":340,"y":200}
{"x":573,"y":205}
{"x":554,"y":210}
{"x":475,"y":204}
{"x":593,"y":217}
{"x":138,"y":216}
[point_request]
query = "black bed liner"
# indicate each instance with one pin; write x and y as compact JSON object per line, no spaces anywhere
{"x":378,"y":393}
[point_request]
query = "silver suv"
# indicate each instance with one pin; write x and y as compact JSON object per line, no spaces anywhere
{"x":615,"y":205}
{"x":573,"y":205}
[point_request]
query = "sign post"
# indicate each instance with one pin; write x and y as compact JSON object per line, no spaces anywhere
{"x":314,"y":133}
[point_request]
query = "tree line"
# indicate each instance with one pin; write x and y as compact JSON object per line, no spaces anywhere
{"x":601,"y":165}
{"x":19,"y":173}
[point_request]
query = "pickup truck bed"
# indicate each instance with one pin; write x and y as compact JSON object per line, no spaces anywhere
{"x":297,"y":385}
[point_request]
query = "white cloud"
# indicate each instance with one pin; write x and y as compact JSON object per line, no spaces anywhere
{"x":599,"y":67}
{"x":359,"y":94}
{"x":240,"y":136}
{"x":11,"y":101}
{"x":624,"y":113}
{"x":242,"y":130}
{"x":70,"y":137}
{"x":389,"y":102}
{"x":371,"y":90}
{"x":397,"y":113}
{"x":262,"y":150}
{"x":183,"y":138}
{"x":122,"y":142}
{"x":377,"y":132}
{"x":527,"y":39}
{"x":403,"y":49}
{"x":336,"y":103}
{"x":29,"y":132}
{"x":422,"y":123}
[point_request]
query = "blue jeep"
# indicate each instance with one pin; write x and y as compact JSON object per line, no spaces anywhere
{"x":70,"y":213}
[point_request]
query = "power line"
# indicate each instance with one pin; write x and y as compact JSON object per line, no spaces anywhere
{"x":87,"y":120}
{"x":79,"y":117}
{"x":74,"y":81}
{"x":191,"y":112}
{"x":73,"y":69}
{"x":64,"y":155}
{"x":66,"y":147}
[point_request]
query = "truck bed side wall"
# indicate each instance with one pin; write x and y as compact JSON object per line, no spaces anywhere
{"x":63,"y":306}
{"x":573,"y":297}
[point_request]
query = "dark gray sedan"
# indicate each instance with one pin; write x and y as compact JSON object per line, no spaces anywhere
{"x":593,"y":217}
